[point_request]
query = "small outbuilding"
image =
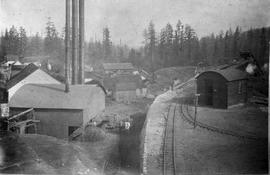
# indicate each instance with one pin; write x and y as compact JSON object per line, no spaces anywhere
{"x":123,"y":87}
{"x":60,"y":113}
{"x":222,"y":88}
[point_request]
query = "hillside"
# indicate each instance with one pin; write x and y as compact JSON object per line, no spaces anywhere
{"x":165,"y":76}
{"x":39,"y":154}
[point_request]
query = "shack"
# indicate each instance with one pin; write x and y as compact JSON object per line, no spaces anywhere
{"x":123,"y":87}
{"x":222,"y":88}
{"x":59,"y":113}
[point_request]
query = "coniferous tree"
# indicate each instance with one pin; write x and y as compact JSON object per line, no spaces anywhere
{"x":22,"y":42}
{"x":106,"y":43}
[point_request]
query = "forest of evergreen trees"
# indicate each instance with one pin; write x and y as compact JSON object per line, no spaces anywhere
{"x":181,"y":46}
{"x":171,"y":46}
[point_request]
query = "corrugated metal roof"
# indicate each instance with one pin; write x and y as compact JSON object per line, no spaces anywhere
{"x":118,"y":66}
{"x":230,"y":74}
{"x":54,"y":96}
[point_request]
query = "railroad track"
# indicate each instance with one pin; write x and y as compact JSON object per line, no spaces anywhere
{"x":189,"y":119}
{"x":169,"y":165}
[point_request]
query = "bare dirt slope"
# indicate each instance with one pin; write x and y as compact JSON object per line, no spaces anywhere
{"x":40,"y":154}
{"x":59,"y":156}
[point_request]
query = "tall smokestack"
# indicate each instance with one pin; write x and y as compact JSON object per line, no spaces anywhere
{"x":67,"y":46}
{"x":75,"y":41}
{"x":81,"y":41}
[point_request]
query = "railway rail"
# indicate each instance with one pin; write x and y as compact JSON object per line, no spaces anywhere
{"x":186,"y":116}
{"x":169,"y":164}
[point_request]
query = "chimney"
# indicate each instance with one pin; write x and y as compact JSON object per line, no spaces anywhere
{"x":67,"y":46}
{"x":75,"y":41}
{"x":81,"y":42}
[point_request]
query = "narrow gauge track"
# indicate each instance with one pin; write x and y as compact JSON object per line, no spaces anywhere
{"x":189,"y":119}
{"x":169,"y":165}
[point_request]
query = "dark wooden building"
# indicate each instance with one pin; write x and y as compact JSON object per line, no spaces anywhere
{"x":123,"y":86}
{"x":222,"y":88}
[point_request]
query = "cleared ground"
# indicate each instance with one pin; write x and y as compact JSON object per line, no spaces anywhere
{"x":249,"y":120}
{"x":200,"y":151}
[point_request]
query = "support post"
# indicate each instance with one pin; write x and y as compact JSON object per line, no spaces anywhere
{"x":81,"y":42}
{"x":196,"y":103}
{"x":67,"y":46}
{"x":195,"y":115}
{"x":75,"y":41}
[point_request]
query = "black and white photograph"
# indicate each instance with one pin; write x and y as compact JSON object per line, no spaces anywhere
{"x":134,"y":87}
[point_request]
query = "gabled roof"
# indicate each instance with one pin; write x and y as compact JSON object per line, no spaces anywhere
{"x":118,"y":66}
{"x":125,"y":78}
{"x":53,"y":96}
{"x":36,"y":58}
{"x":21,"y":75}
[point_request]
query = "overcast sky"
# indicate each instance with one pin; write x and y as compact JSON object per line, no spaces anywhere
{"x":126,"y":19}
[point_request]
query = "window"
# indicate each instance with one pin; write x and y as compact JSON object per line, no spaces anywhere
{"x":240,"y":84}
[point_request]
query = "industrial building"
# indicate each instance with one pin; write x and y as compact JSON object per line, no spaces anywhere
{"x":59,"y":113}
{"x":222,"y":88}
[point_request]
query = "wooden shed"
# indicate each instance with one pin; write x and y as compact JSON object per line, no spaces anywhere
{"x":222,"y":88}
{"x":60,"y":113}
{"x":123,"y":87}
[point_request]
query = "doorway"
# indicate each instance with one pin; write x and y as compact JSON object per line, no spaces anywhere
{"x":71,"y":129}
{"x":209,"y":89}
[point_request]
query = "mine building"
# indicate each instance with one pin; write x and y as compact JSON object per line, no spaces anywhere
{"x":222,"y":88}
{"x":59,"y":113}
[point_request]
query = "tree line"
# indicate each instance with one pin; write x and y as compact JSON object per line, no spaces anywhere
{"x":176,"y":45}
{"x":180,"y":46}
{"x":15,"y":41}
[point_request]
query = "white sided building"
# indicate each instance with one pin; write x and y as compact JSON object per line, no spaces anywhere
{"x":31,"y":74}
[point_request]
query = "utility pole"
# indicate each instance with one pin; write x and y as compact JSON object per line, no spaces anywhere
{"x":67,"y":46}
{"x":81,"y":42}
{"x":196,"y":103}
{"x":75,"y":41}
